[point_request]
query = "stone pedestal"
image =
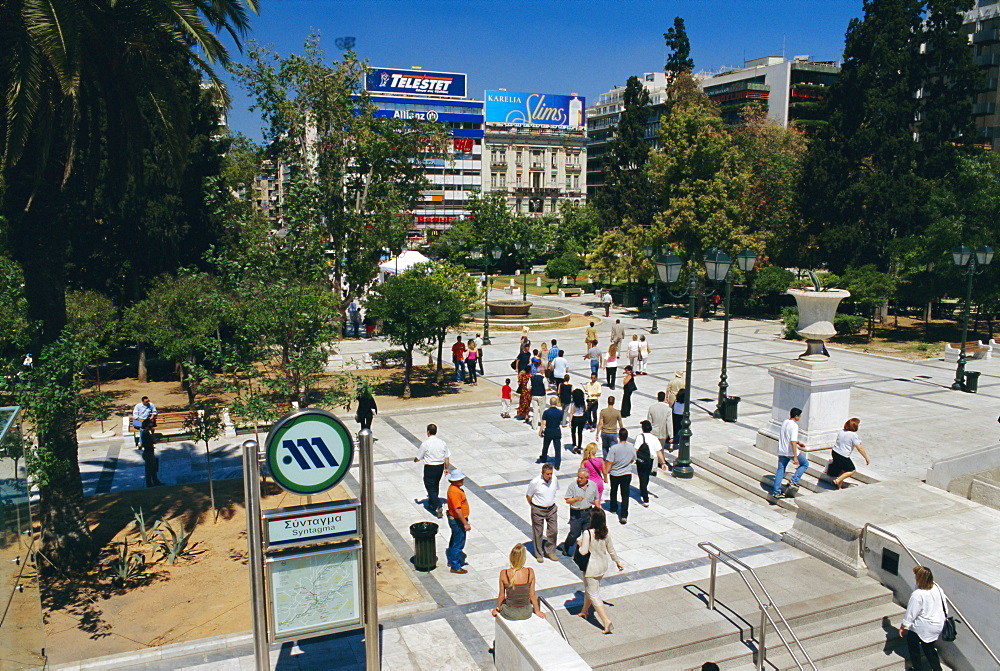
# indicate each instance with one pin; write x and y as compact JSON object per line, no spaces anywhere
{"x":821,"y":390}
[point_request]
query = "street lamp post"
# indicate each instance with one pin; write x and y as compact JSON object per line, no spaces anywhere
{"x":496,"y":251}
{"x":648,"y":250}
{"x":528,"y":248}
{"x":668,"y":266}
{"x":964,"y":258}
{"x":746,"y":260}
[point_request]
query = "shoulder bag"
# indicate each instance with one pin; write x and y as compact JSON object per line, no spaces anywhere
{"x":581,"y":560}
{"x":949,"y":633}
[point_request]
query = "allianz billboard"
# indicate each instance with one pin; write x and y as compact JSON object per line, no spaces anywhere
{"x":535,"y":109}
{"x":415,"y":82}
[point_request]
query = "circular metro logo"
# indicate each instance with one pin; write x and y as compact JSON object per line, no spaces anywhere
{"x":309,"y":451}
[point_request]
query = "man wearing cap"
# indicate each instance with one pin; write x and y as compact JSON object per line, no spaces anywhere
{"x":458,"y":520}
{"x":541,"y":495}
{"x":435,"y":455}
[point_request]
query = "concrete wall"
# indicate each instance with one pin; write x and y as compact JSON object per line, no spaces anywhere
{"x":955,"y":474}
{"x":533,"y":645}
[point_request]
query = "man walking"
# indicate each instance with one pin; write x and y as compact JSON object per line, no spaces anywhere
{"x":609,"y":424}
{"x":618,"y":465}
{"x":658,"y":416}
{"x":593,"y":391}
{"x":437,"y":459}
{"x":551,"y":433}
{"x":479,"y":353}
{"x":140,"y":413}
{"x":560,"y":367}
{"x":606,"y":300}
{"x":581,"y":495}
{"x":550,"y":364}
{"x":541,"y":495}
{"x":565,"y":393}
{"x":538,"y":392}
{"x":594,"y":354}
{"x":617,"y":335}
{"x":458,"y":520}
{"x":788,"y":449}
{"x":458,"y":358}
{"x":590,"y":338}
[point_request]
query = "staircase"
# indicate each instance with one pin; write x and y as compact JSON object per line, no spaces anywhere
{"x":845,"y":624}
{"x":750,"y":472}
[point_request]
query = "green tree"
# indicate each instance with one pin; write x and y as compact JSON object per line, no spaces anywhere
{"x":870,"y":289}
{"x":565,"y":265}
{"x":626,"y":197}
{"x":76,"y":77}
{"x":679,"y":59}
{"x":576,"y":229}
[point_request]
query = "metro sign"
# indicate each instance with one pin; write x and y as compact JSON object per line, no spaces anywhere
{"x":309,"y":451}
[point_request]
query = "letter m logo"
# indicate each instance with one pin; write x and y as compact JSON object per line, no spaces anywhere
{"x":309,"y":454}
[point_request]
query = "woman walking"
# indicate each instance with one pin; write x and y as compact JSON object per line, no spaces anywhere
{"x":643,"y":355}
{"x":578,"y":419}
{"x":678,"y":415}
{"x":524,"y":394}
{"x":471,"y":361}
{"x":842,"y":466}
{"x":634,"y":347}
{"x":517,"y":599}
{"x":367,"y":409}
{"x":597,"y":544}
{"x":628,"y":386}
{"x":595,"y":466}
{"x":924,"y":619}
{"x":609,"y":362}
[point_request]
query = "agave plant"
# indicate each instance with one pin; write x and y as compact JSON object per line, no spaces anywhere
{"x":126,"y":566}
{"x":173,"y":544}
{"x":139,"y":523}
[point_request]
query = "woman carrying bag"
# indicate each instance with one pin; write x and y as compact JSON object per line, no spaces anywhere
{"x":924,"y":620}
{"x":596,"y":544}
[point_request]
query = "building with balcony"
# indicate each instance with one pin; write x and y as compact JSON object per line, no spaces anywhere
{"x":535,"y":150}
{"x":982,"y":25}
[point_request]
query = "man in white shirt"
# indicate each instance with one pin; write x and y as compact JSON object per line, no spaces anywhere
{"x":659,"y":415}
{"x":788,"y":449}
{"x":437,"y":461}
{"x":140,"y":413}
{"x":560,"y":366}
{"x":479,"y":353}
{"x":542,"y":493}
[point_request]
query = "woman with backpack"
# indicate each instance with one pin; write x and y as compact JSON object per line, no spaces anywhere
{"x":645,"y":446}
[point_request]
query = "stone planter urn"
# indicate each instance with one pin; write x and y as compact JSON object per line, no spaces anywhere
{"x":816,"y":312}
{"x":509,"y":308}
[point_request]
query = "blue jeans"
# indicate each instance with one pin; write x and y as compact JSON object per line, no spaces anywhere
{"x":454,"y":553}
{"x":779,"y":475}
{"x":459,"y":369}
{"x":137,"y":424}
{"x":595,"y":365}
{"x":607,"y":441}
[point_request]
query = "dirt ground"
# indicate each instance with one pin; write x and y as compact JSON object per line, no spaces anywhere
{"x":207,"y":594}
{"x":910,"y":338}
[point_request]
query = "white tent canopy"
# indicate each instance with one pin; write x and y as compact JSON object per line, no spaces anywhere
{"x":404,"y":261}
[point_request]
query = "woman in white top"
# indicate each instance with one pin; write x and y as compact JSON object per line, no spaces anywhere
{"x":924,"y":619}
{"x":842,"y":466}
{"x":609,"y":362}
{"x":597,"y":543}
{"x":633,"y":352}
{"x":643,"y":355}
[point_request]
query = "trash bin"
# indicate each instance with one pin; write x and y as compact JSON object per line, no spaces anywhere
{"x":730,"y":408}
{"x":424,"y":552}
{"x":971,"y":381}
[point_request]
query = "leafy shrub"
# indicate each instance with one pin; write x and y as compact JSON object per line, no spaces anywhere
{"x":772,"y":279}
{"x":389,"y":358}
{"x":848,"y":324}
{"x":790,"y":317}
{"x":566,"y":265}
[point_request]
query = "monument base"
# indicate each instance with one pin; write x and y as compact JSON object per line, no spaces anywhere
{"x":818,"y":387}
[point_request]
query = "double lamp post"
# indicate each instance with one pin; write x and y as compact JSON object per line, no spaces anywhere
{"x":965,"y":258}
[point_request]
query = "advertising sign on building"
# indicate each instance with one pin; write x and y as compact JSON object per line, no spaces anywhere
{"x":415,"y":82}
{"x":535,"y":109}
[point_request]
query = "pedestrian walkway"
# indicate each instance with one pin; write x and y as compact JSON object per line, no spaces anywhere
{"x":909,"y":420}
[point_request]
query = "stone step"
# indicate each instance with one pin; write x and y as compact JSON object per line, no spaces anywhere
{"x":810,"y":480}
{"x":709,"y":468}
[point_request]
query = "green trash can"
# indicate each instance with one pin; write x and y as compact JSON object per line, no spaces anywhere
{"x":971,"y":381}
{"x":424,"y":551}
{"x":730,"y":408}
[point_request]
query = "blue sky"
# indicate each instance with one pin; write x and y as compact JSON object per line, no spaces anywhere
{"x":581,"y":46}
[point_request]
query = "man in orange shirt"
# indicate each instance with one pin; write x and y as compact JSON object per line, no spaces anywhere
{"x":458,"y":358}
{"x":458,"y":520}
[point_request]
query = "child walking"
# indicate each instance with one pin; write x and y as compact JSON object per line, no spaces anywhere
{"x":505,"y":392}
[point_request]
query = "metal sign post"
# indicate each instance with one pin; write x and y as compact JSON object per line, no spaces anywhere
{"x":311,"y":549}
{"x":368,"y":549}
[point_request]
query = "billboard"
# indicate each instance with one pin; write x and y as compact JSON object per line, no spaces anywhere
{"x":535,"y":109}
{"x":415,"y":82}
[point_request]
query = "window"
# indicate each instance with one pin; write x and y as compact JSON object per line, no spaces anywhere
{"x":552,"y":181}
{"x":493,"y":180}
{"x":554,"y":160}
{"x":503,"y":180}
{"x":536,"y":180}
{"x":517,"y":180}
{"x":517,"y":156}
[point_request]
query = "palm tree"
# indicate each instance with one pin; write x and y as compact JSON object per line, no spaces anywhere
{"x":79,"y":78}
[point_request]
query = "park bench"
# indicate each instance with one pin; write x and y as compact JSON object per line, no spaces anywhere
{"x":167,"y":424}
{"x":232,"y":424}
{"x":570,"y":292}
{"x":973,"y":350}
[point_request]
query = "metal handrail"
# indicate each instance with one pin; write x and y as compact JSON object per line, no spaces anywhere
{"x":965,"y":620}
{"x":562,"y":632}
{"x":718,"y":554}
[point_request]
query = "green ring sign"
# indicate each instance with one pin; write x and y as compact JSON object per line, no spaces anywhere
{"x":309,"y":451}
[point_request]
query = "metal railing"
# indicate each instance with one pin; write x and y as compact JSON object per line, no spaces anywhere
{"x":954,"y":608}
{"x":717,"y":554}
{"x":562,"y":632}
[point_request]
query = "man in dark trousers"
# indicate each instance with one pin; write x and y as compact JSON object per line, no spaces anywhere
{"x":437,"y":460}
{"x":149,"y":458}
{"x":551,"y":432}
{"x":581,"y":495}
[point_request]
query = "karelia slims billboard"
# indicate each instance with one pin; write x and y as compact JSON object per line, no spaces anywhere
{"x":415,"y":82}
{"x":535,"y":109}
